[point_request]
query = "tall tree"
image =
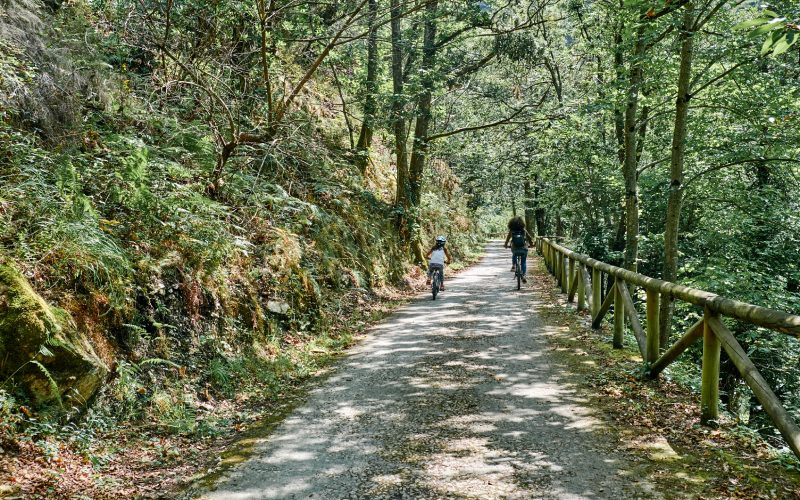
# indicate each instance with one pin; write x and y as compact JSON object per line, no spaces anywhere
{"x":398,"y":103}
{"x":371,"y":87}
{"x":419,"y":152}
{"x":677,"y":156}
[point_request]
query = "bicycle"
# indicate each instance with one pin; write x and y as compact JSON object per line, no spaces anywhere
{"x":518,"y":269}
{"x":436,"y":281}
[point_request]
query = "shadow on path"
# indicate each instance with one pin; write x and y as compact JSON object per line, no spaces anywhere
{"x":453,"y":397}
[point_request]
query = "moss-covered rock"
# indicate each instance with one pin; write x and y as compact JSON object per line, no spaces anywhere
{"x":40,"y":346}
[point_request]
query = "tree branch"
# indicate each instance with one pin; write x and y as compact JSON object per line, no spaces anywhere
{"x":505,"y":121}
{"x":470,"y":68}
{"x":281,"y":111}
{"x":716,"y":79}
{"x":732,"y":164}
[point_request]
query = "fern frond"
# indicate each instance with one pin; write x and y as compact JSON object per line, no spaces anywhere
{"x":157,"y":361}
{"x":52,"y":384}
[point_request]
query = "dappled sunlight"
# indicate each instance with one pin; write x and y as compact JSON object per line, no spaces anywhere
{"x":449,"y":397}
{"x":657,"y":448}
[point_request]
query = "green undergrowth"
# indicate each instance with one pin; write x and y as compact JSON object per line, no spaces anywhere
{"x":657,"y":423}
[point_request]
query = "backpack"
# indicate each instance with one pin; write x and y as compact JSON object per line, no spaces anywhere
{"x":518,"y":239}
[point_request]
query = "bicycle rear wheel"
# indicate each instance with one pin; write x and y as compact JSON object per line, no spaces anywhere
{"x":518,"y":270}
{"x":435,"y":284}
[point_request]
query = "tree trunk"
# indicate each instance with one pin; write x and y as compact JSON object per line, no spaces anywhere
{"x":643,"y":119}
{"x":530,"y":204}
{"x":265,"y":11}
{"x":368,"y":125}
{"x":619,"y":122}
{"x":419,"y":153}
{"x":559,"y":227}
{"x":397,"y":118}
{"x":618,"y":243}
{"x":630,"y":164}
{"x":513,"y":205}
{"x":345,"y":114}
{"x":539,"y":212}
{"x":676,"y":169}
{"x":420,"y":148}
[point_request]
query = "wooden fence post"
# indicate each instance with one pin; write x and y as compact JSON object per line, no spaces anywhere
{"x":769,"y":401}
{"x":692,"y":334}
{"x":553,"y":263}
{"x":571,"y":280}
{"x":581,"y":288}
{"x":653,"y":336}
{"x":619,"y":314}
{"x":709,"y":393}
{"x":564,"y":278}
{"x":636,"y":325}
{"x":597,"y":298}
{"x":543,"y":253}
{"x":665,"y":298}
{"x":546,"y":254}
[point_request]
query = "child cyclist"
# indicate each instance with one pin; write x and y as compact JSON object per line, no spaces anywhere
{"x":518,"y":237}
{"x":439,"y":256}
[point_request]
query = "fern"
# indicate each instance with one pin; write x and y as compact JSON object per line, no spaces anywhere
{"x":44,"y":351}
{"x":51,"y":382}
{"x":156,"y":361}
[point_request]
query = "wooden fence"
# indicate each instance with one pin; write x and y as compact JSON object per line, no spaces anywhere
{"x":572,"y":272}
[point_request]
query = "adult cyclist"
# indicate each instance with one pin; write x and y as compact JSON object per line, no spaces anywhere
{"x":518,"y":237}
{"x":438,"y":256}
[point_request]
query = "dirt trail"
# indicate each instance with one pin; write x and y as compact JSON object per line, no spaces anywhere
{"x":448,"y":398}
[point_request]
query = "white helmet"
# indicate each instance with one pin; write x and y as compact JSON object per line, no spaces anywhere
{"x":440,"y":239}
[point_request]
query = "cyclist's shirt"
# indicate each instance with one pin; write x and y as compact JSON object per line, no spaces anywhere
{"x":437,"y":256}
{"x":518,"y":240}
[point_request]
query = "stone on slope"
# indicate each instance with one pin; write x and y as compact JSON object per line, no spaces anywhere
{"x":41,"y":347}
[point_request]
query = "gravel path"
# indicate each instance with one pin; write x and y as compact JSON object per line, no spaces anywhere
{"x":448,"y":398}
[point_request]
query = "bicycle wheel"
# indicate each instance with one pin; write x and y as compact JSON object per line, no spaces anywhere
{"x":518,"y":271}
{"x":435,"y":284}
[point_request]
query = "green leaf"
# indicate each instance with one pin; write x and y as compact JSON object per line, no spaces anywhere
{"x":774,"y":24}
{"x":784,"y":44}
{"x":768,"y":42}
{"x":749,"y":24}
{"x":770,"y":13}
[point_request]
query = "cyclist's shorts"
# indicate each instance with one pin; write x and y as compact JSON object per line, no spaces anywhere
{"x":431,"y":267}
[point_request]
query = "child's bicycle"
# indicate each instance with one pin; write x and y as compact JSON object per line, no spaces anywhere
{"x":436,"y":281}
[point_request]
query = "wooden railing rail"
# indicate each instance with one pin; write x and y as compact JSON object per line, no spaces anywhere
{"x":572,"y":273}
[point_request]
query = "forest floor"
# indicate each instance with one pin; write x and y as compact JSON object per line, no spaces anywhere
{"x":494,"y":393}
